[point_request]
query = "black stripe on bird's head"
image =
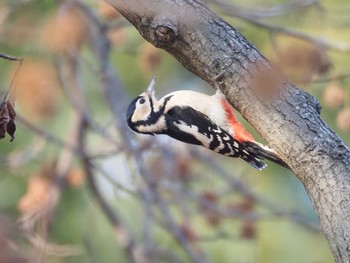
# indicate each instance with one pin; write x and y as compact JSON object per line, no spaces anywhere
{"x":144,"y":112}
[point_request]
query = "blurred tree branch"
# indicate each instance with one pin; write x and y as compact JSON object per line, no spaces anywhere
{"x":263,"y":13}
{"x":255,"y":18}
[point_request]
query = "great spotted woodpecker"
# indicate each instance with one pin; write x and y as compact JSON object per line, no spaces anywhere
{"x":200,"y":119}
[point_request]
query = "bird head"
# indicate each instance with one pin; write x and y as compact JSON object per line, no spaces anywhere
{"x":142,"y":111}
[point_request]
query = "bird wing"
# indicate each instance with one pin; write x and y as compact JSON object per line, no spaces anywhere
{"x":191,"y":126}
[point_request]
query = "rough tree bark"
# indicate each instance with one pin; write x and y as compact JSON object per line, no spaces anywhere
{"x":290,"y":123}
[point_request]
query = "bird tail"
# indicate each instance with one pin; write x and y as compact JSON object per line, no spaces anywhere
{"x":254,"y":161}
{"x":264,"y":152}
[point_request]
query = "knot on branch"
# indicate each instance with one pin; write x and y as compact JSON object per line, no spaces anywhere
{"x":165,"y":33}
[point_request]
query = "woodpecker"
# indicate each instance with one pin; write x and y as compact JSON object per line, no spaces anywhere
{"x":196,"y":118}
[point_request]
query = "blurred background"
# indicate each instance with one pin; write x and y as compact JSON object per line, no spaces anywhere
{"x":76,"y":185}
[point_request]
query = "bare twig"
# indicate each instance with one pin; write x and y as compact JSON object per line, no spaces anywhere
{"x":73,"y":98}
{"x":9,"y":57}
{"x":124,"y":237}
{"x":275,"y":11}
{"x":229,"y":9}
{"x":240,"y":187}
{"x":46,"y":135}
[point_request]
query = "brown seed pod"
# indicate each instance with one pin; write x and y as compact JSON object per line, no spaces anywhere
{"x":75,"y":177}
{"x":188,"y":231}
{"x":301,"y":61}
{"x":36,"y":90}
{"x":209,"y":200}
{"x":334,"y":95}
{"x":70,"y":29}
{"x":248,"y":230}
{"x":108,"y":11}
{"x":118,"y":36}
{"x":149,"y":58}
{"x":343,"y":119}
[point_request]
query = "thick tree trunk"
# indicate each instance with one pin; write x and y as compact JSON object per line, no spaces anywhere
{"x":289,"y":122}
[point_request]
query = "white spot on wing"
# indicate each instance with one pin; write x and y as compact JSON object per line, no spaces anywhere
{"x":192,"y":129}
{"x":226,"y":138}
{"x":221,"y":144}
{"x":217,"y":130}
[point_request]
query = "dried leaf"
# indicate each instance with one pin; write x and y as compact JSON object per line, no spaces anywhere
{"x":301,"y":61}
{"x":11,"y":126}
{"x":4,"y":119}
{"x":11,"y":129}
{"x":75,"y":177}
{"x":209,"y":200}
{"x":343,"y":119}
{"x":71,"y":29}
{"x":149,"y":59}
{"x":334,"y":95}
{"x":108,"y":11}
{"x":248,"y":230}
{"x":7,"y":111}
{"x":7,"y":120}
{"x":246,"y":205}
{"x":37,"y":92}
{"x":40,"y":191}
{"x":188,"y":232}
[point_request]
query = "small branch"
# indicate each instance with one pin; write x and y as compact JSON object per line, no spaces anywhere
{"x":196,"y":256}
{"x":229,"y":9}
{"x":75,"y":98}
{"x":46,"y":135}
{"x":21,"y":158}
{"x":52,"y":139}
{"x":275,"y":11}
{"x":243,"y":189}
{"x":123,"y":235}
{"x":9,"y":57}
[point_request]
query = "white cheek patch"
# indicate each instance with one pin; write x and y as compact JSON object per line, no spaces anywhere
{"x":141,"y":113}
{"x":194,"y":131}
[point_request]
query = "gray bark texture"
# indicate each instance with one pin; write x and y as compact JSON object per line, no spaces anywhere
{"x":288,"y":119}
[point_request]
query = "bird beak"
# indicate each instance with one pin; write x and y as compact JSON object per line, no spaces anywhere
{"x":150,"y":89}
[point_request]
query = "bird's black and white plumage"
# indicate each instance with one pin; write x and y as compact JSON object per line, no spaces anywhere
{"x":199,"y":119}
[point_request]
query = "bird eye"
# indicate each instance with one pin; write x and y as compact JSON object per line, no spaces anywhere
{"x":142,"y":101}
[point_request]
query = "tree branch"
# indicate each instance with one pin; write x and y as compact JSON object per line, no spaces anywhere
{"x":232,"y":10}
{"x":289,"y":121}
{"x":263,"y":13}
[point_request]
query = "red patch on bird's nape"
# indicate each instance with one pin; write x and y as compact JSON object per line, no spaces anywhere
{"x":240,"y":134}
